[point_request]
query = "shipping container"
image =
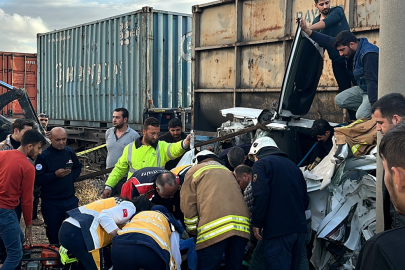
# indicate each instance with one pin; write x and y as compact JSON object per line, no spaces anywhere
{"x":137,"y":60}
{"x":20,"y":71}
{"x":241,"y":48}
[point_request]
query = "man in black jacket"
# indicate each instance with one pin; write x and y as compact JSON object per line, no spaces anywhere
{"x":323,"y":133}
{"x":385,"y":250}
{"x":57,"y":168}
{"x":174,"y":135}
{"x":279,"y":202}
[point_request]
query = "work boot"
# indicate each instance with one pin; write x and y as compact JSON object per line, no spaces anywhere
{"x":37,"y":222}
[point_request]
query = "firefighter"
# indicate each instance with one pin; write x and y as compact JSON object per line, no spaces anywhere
{"x":279,"y":202}
{"x":146,"y":151}
{"x":151,"y":240}
{"x":91,"y":227}
{"x":215,"y":212}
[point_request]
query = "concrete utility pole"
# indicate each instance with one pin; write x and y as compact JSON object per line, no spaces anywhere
{"x":391,"y":77}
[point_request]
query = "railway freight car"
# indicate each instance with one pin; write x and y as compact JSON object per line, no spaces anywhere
{"x":241,"y":50}
{"x":137,"y":60}
{"x":18,"y":70}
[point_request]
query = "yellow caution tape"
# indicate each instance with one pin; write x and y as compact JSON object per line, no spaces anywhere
{"x":91,"y":150}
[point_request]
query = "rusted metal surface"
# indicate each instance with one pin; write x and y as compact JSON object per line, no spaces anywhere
{"x":216,"y":67}
{"x":260,"y":66}
{"x":219,"y":25}
{"x":260,"y":24}
{"x":367,"y":13}
{"x":241,"y":49}
{"x":20,"y":71}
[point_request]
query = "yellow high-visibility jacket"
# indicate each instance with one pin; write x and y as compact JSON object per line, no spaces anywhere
{"x":137,"y":156}
{"x":154,"y":230}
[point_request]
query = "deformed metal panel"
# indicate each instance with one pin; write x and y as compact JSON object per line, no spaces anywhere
{"x":259,"y":23}
{"x":262,"y":66}
{"x":134,"y":60}
{"x":217,"y":69}
{"x":219,"y":25}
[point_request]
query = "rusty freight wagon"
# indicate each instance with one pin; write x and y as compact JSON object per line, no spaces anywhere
{"x":18,"y":70}
{"x":241,"y":49}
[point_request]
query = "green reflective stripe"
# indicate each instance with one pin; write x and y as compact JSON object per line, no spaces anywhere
{"x":64,"y":258}
{"x":352,"y":124}
{"x":191,"y":227}
{"x":168,"y":151}
{"x":222,"y":230}
{"x":191,"y":220}
{"x":221,"y":221}
{"x":156,"y":237}
{"x":356,"y":147}
{"x":197,"y":173}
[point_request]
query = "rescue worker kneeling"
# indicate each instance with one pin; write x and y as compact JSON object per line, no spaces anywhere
{"x":91,"y":227}
{"x":149,"y":241}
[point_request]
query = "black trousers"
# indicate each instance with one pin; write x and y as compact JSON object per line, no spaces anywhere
{"x":54,"y":213}
{"x":341,"y":75}
{"x":343,"y":80}
{"x":133,"y":256}
{"x":209,"y":258}
{"x":71,"y":238}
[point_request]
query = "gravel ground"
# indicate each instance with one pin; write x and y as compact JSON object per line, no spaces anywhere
{"x":87,"y":191}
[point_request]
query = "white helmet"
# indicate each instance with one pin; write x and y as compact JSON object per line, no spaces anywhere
{"x":204,"y":155}
{"x":259,"y":144}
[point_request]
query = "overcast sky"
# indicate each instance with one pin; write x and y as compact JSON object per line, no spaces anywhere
{"x":21,"y":20}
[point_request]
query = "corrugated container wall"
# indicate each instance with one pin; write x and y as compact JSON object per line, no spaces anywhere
{"x":241,"y":48}
{"x":135,"y":60}
{"x":18,"y":70}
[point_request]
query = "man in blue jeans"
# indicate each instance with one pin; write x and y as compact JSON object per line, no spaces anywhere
{"x":17,"y":177}
{"x":279,"y":202}
{"x":361,"y":61}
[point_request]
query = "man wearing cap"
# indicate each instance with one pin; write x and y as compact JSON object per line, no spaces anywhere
{"x":279,"y":202}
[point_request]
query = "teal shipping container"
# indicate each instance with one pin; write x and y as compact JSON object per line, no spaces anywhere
{"x":137,"y":60}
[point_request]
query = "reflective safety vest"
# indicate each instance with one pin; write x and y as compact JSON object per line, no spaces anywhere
{"x":142,"y":182}
{"x":137,"y":156}
{"x":155,"y":226}
{"x":181,"y":171}
{"x":94,"y":235}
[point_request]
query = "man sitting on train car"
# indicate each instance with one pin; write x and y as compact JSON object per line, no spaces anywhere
{"x":159,"y":185}
{"x":146,"y":151}
{"x":174,"y":134}
{"x":364,"y":58}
